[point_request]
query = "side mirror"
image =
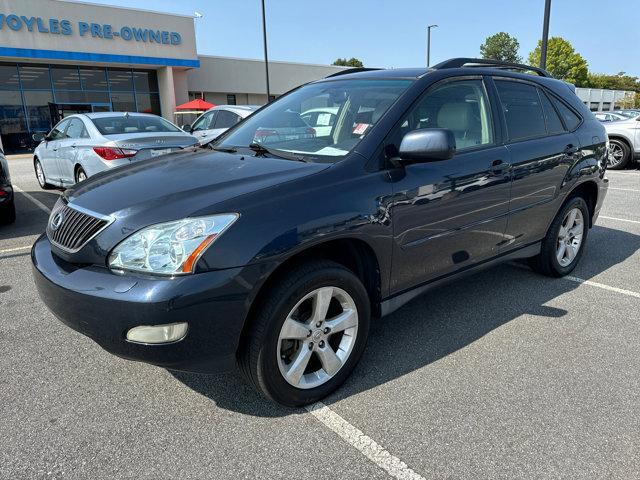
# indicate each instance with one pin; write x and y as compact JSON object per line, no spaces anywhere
{"x":427,"y":145}
{"x":38,"y":137}
{"x":187,"y":128}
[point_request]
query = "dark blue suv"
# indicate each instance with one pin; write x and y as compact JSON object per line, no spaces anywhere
{"x":274,"y":247}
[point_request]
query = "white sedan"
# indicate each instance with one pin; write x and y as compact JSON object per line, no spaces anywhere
{"x":217,"y":120}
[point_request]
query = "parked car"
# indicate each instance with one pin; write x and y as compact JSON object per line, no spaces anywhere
{"x":85,"y":144}
{"x":624,"y":142}
{"x":609,"y":116}
{"x":275,"y":256}
{"x":629,"y":113}
{"x":217,"y":120}
{"x":7,"y":202}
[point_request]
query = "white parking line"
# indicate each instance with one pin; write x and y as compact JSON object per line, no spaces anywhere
{"x":34,"y":200}
{"x":624,"y":189}
{"x":16,"y":249}
{"x":603,"y":286}
{"x":375,"y":452}
{"x":618,"y":219}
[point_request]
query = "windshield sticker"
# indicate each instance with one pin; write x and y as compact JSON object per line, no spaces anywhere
{"x":360,"y":128}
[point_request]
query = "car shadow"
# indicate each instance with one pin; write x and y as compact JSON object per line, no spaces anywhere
{"x":437,"y":324}
{"x":30,"y":219}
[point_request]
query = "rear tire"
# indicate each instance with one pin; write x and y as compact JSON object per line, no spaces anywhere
{"x":564,"y":244}
{"x":8,"y":213}
{"x":40,"y":176}
{"x":80,"y":175}
{"x":619,"y":154}
{"x":290,"y":330}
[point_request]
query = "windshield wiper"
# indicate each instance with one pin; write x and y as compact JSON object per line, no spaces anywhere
{"x":262,"y":150}
{"x":224,"y":149}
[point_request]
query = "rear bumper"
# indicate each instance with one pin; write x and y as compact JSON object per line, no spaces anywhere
{"x":104,"y":306}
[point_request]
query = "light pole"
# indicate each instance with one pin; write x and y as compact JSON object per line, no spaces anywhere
{"x":429,"y":43}
{"x":266,"y":57}
{"x":196,"y":16}
{"x":545,"y":35}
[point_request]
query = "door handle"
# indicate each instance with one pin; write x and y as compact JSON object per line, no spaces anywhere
{"x":571,"y":150}
{"x":74,"y":146}
{"x":499,"y":166}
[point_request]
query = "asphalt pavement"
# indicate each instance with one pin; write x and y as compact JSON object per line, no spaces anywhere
{"x":505,"y":374}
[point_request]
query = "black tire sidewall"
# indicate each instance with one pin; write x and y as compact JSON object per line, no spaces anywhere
{"x":78,"y":170}
{"x":625,"y":160}
{"x":270,"y":378}
{"x":551,"y":240}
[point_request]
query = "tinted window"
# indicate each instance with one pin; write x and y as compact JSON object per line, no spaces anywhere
{"x":231,"y":99}
{"x":459,"y":106}
{"x":35,"y":77}
{"x":93,"y":78}
{"x":571,"y":120}
{"x":554,"y":124}
{"x":76,"y":129}
{"x":226,"y":119}
{"x":133,"y":124}
{"x":522,"y":109}
{"x":58,"y":131}
{"x":9,"y":77}
{"x":65,"y":78}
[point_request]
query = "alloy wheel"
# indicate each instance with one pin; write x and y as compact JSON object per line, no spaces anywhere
{"x":616,"y":154}
{"x":570,"y":237}
{"x":317,"y":337}
{"x":40,"y":175}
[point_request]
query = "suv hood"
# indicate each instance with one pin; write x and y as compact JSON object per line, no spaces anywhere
{"x":183,"y":184}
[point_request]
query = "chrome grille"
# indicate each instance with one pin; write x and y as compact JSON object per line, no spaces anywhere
{"x":70,"y":229}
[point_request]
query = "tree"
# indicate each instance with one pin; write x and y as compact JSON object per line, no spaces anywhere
{"x":563,"y":61}
{"x":502,"y":47}
{"x":352,"y":62}
{"x":613,"y":82}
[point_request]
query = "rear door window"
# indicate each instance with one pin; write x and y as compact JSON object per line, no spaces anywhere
{"x":522,"y":110}
{"x":226,"y":119}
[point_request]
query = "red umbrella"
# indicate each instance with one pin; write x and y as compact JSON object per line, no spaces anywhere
{"x":197,"y":104}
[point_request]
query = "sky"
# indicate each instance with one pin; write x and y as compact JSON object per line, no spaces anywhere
{"x":393,"y":33}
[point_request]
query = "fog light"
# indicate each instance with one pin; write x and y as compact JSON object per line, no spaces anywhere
{"x":155,"y":334}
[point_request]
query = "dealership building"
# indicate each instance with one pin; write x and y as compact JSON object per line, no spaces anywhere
{"x":62,"y":57}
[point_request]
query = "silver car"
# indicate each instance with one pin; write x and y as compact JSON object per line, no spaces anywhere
{"x":624,"y":142}
{"x":217,"y":120}
{"x":85,"y":144}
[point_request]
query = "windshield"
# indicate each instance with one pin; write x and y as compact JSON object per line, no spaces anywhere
{"x":320,"y":121}
{"x":119,"y":125}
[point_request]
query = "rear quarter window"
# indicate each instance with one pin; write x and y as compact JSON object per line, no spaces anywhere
{"x":570,"y":118}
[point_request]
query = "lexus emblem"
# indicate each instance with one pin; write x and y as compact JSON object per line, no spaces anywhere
{"x":56,"y":221}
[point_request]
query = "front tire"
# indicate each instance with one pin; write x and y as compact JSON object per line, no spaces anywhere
{"x":564,"y":244}
{"x":619,"y":155}
{"x":42,"y":179}
{"x":308,"y":334}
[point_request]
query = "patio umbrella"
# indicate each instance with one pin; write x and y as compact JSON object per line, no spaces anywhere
{"x":197,"y":104}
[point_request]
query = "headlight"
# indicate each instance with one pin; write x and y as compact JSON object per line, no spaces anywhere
{"x":169,"y":248}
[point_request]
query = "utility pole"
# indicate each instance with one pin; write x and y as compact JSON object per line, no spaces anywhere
{"x":266,"y":57}
{"x":429,"y":43}
{"x":545,"y":34}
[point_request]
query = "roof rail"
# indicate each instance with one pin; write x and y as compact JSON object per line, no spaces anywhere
{"x":351,"y":70}
{"x":485,"y":62}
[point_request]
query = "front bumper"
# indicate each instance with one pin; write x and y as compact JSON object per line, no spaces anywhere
{"x":104,"y":306}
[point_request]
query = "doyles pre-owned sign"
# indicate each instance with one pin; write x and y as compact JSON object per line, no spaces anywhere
{"x":55,"y":26}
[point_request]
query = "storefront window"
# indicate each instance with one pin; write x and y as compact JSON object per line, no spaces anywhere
{"x":38,"y":109}
{"x":35,"y":78}
{"x":81,"y":97}
{"x":9,"y":77}
{"x":123,"y":102}
{"x":145,"y":81}
{"x":13,"y":125}
{"x":65,"y":78}
{"x":148,"y":103}
{"x":120,"y":80}
{"x":94,"y":78}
